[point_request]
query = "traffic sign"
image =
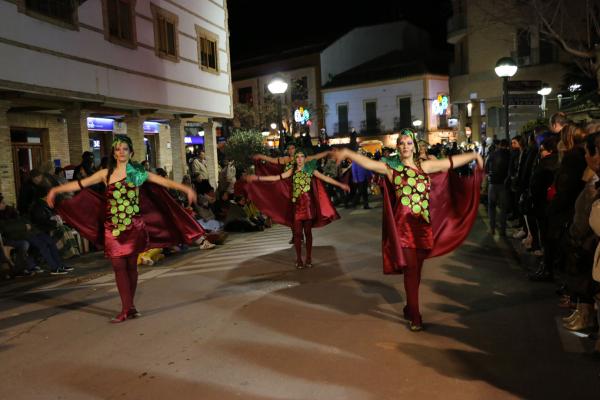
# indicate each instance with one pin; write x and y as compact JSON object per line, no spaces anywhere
{"x":524,"y":86}
{"x":524,"y":99}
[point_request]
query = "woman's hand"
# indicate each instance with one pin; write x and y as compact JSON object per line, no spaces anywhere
{"x":192,"y":197}
{"x":251,"y":178}
{"x":257,"y":157}
{"x":345,"y":187}
{"x":50,"y":198}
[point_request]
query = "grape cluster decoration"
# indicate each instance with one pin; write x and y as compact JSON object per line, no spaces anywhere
{"x":414,"y":193}
{"x":301,"y":184}
{"x":123,"y":206}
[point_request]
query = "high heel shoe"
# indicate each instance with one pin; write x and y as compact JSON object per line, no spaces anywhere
{"x":299,"y":265}
{"x":133,"y":313}
{"x":122,"y":317}
{"x":308,"y":264}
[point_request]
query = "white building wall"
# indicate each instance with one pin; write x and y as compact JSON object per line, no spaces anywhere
{"x":364,"y":44}
{"x":385,"y":93}
{"x":82,"y":62}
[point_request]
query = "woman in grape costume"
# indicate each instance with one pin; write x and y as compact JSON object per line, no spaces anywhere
{"x":427,"y":211}
{"x":300,"y":202}
{"x":131,"y":217}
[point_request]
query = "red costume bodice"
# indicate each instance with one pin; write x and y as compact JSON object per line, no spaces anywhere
{"x":411,"y":213}
{"x":124,"y":229}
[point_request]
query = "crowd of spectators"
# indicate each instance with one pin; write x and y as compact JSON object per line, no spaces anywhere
{"x":545,"y":182}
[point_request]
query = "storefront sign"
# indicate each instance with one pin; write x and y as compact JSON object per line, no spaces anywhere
{"x":100,"y":124}
{"x":440,"y":105}
{"x":301,"y":115}
{"x":107,"y":124}
{"x":151,"y":127}
{"x":191,"y":140}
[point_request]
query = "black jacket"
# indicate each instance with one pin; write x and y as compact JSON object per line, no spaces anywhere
{"x":497,"y":166}
{"x":542,"y":178}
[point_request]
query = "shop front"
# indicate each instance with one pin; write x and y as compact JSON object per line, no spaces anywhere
{"x":102,"y":130}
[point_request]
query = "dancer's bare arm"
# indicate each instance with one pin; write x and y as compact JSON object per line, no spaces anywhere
{"x":97,"y":177}
{"x":170,"y":184}
{"x":365,"y":162}
{"x":269,"y":178}
{"x":332,"y":181}
{"x":273,"y":160}
{"x":431,"y":166}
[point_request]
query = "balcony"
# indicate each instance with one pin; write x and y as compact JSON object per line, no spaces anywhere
{"x":370,"y":127}
{"x":457,"y":28}
{"x":342,"y":129}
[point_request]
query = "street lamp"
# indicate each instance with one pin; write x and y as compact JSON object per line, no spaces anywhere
{"x":278,"y":86}
{"x":505,"y":68}
{"x":544,"y":91}
{"x":417,"y":125}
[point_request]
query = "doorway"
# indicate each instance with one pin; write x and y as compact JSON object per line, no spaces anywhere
{"x":27,"y":152}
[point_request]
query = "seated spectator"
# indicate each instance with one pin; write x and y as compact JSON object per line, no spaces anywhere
{"x":17,"y":228}
{"x":31,"y":189}
{"x":24,"y":264}
{"x":236,"y":218}
{"x":46,"y":220}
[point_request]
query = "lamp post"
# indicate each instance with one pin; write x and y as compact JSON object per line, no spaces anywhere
{"x":278,"y":86}
{"x":544,"y":91}
{"x":417,"y":125}
{"x":505,"y":68}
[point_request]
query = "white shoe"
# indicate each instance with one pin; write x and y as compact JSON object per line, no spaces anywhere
{"x":206,"y":245}
{"x":519,"y":235}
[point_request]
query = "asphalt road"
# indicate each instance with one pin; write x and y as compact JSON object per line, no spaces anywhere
{"x":240,"y":322}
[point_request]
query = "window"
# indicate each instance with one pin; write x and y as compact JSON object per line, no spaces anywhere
{"x":342,"y":118}
{"x":548,"y":52}
{"x":245,"y":95}
{"x":208,"y":50}
{"x":119,"y":22}
{"x":59,"y":12}
{"x":371,"y":116}
{"x":166,"y":41}
{"x":405,"y":112}
{"x":523,"y":47}
{"x":300,"y":89}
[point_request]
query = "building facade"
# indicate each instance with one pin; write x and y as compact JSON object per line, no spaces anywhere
{"x":384,"y":108}
{"x":74,"y":74}
{"x":300,"y":69}
{"x":480,"y":38}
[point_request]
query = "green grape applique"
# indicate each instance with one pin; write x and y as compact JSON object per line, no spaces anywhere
{"x":411,"y":189}
{"x":123,"y":206}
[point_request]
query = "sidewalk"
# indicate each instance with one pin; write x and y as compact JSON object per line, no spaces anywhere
{"x":88,"y":267}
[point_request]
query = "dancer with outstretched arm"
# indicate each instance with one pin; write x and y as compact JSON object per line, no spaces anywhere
{"x":300,"y":202}
{"x":265,"y":165}
{"x":130,"y":217}
{"x":427,"y":211}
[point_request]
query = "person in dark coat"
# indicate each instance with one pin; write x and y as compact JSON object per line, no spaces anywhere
{"x":497,"y":170}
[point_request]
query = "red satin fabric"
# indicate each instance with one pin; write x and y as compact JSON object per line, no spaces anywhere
{"x":274,"y":199}
{"x":453,"y":205}
{"x":165,"y":222}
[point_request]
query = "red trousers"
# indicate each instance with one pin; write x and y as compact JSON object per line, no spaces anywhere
{"x":412,"y":281}
{"x":305,"y":226}
{"x":126,"y":276}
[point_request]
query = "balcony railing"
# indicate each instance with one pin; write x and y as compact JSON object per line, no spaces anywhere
{"x":370,"y":127}
{"x":342,"y":129}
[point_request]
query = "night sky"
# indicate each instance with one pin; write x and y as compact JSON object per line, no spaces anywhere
{"x":265,"y":27}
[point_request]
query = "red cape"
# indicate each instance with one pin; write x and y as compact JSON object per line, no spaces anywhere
{"x":274,"y":199}
{"x":167,"y":223}
{"x":454,"y":201}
